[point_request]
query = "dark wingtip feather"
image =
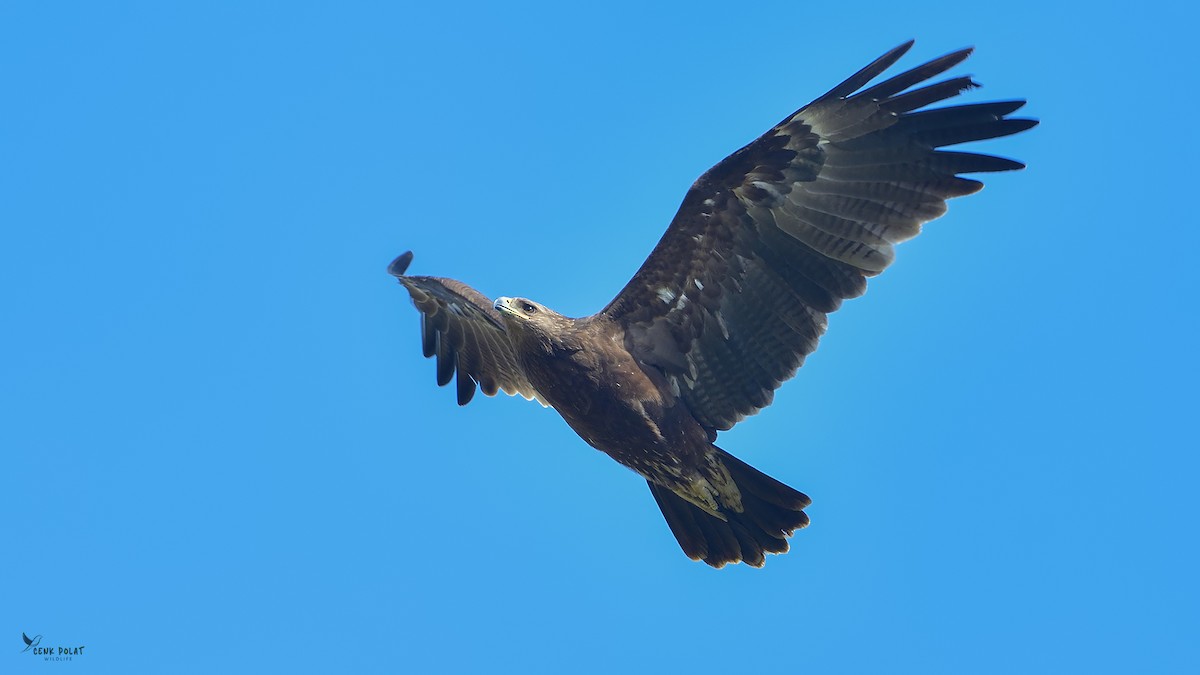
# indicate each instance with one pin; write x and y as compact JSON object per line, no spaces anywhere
{"x":429,"y":337}
{"x":870,"y":72}
{"x":465,"y":385}
{"x":399,"y":266}
{"x":993,"y":164}
{"x":1018,"y":103}
{"x":921,"y":73}
{"x":447,"y":362}
{"x":954,"y":162}
{"x":1012,"y":125}
{"x":923,"y":96}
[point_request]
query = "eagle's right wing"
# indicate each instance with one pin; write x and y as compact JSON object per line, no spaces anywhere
{"x":773,"y":238}
{"x":467,"y":335}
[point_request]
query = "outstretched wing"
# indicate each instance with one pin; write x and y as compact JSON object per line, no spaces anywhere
{"x":461,"y":328}
{"x":775,"y":236}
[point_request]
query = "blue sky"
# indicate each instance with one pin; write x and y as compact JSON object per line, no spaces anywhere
{"x":223,"y":451}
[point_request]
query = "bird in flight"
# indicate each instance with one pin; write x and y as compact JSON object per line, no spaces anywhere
{"x":732,"y":299}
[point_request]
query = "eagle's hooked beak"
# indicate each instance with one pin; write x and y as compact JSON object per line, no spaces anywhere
{"x":501,"y":305}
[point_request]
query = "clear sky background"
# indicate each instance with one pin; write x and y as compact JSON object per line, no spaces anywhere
{"x":223,"y":451}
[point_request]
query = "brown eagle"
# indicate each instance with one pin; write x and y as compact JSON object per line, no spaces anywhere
{"x":731,"y":300}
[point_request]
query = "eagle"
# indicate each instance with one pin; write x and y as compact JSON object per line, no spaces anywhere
{"x":733,"y":298}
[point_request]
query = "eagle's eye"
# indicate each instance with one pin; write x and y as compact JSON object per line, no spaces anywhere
{"x":528,"y":308}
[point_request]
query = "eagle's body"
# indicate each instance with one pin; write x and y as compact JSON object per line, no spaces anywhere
{"x":735,"y":295}
{"x":582,"y":371}
{"x":580,"y":367}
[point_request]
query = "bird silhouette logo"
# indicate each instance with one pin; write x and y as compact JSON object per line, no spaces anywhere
{"x":35,"y":641}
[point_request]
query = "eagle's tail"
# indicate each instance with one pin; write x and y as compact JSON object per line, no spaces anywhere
{"x":771,"y":511}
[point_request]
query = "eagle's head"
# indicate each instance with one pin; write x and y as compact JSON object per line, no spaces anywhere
{"x":531,"y":318}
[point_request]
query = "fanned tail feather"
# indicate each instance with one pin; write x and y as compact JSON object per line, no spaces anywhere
{"x":771,"y":512}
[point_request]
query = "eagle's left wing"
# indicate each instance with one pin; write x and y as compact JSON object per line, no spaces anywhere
{"x":461,"y":328}
{"x":775,"y":236}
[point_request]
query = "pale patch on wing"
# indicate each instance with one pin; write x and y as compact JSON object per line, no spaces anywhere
{"x":526,"y":392}
{"x":769,"y":188}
